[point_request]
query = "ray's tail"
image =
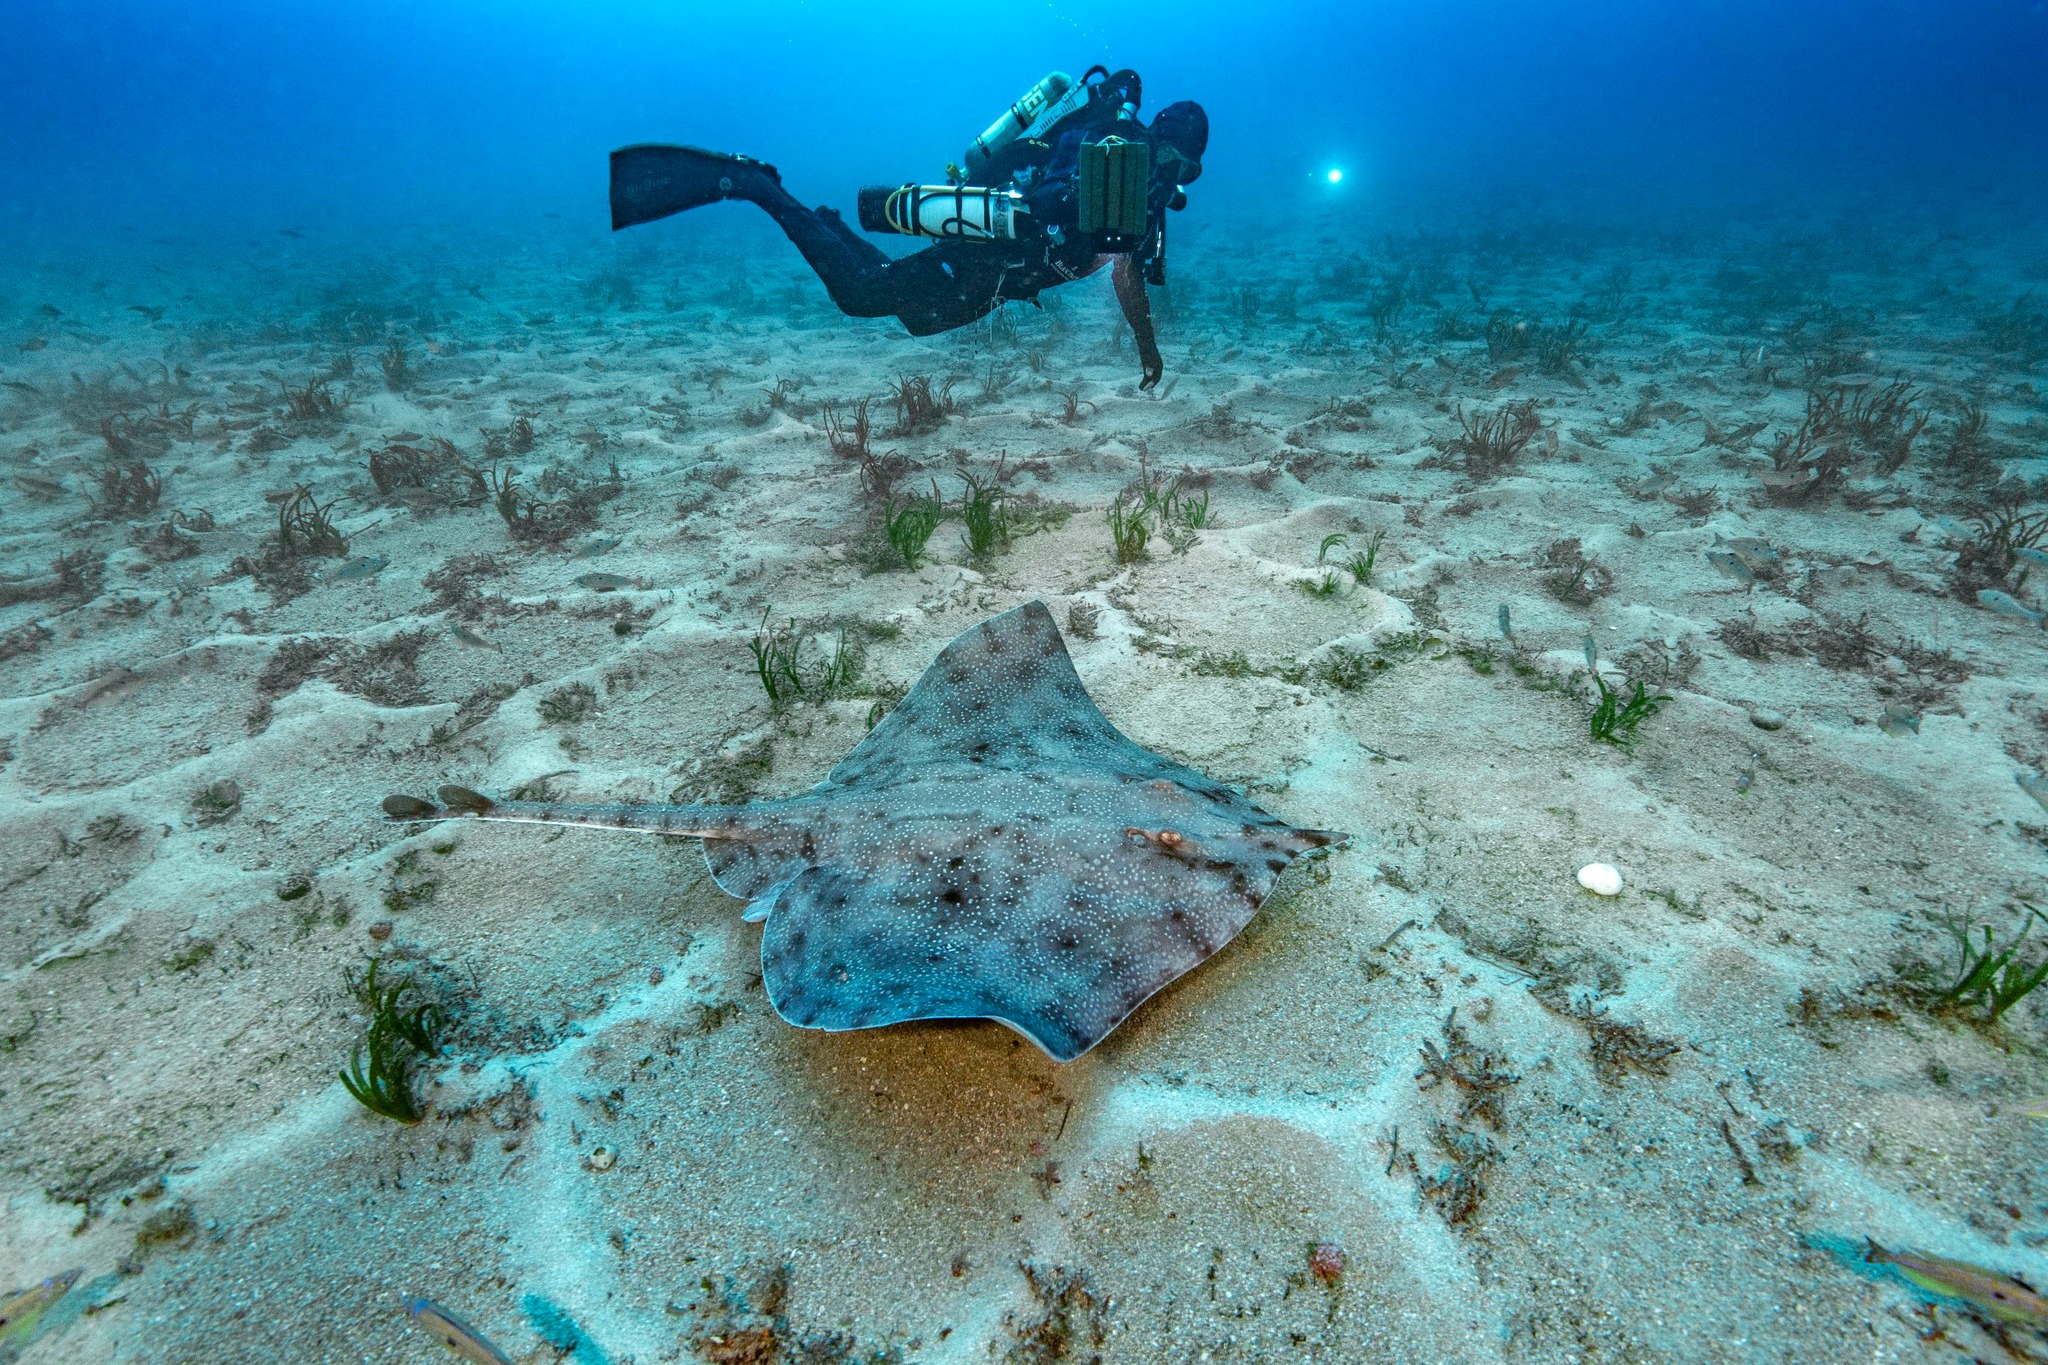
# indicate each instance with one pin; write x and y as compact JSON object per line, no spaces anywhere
{"x":701,"y":822}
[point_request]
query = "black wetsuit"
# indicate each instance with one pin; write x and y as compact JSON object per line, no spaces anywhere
{"x":951,"y":284}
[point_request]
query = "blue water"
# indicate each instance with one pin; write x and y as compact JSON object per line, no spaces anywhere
{"x":217,"y":121}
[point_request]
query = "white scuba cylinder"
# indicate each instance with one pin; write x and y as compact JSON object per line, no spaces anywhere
{"x":971,"y":213}
{"x":1044,"y":104}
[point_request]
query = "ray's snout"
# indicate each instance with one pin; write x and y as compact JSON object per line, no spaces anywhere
{"x":454,"y":801}
{"x":399,"y":806}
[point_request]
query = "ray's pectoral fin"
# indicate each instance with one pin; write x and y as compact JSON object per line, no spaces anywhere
{"x":847,"y":950}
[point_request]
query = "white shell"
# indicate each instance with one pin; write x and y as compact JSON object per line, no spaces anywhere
{"x":1600,"y":879}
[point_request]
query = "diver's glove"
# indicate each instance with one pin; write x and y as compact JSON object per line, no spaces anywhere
{"x":1148,"y":356}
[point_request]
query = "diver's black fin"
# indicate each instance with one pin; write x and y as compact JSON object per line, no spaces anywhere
{"x":652,"y":181}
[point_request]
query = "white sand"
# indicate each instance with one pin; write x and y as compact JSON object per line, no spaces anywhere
{"x":173,"y":1028}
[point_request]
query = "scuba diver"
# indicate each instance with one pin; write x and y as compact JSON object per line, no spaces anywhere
{"x":1065,"y":181}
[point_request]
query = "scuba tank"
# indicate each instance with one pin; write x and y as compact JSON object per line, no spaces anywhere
{"x":970,"y":213}
{"x":1043,"y":105}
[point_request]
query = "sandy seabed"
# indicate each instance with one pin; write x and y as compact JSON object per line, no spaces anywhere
{"x":1437,"y":1103}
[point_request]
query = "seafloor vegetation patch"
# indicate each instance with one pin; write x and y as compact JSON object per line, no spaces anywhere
{"x":1992,"y":972}
{"x":1155,"y":505}
{"x":384,"y":674}
{"x":568,"y":704}
{"x":396,"y":1039}
{"x":305,"y":531}
{"x":427,"y":476}
{"x":562,"y":504}
{"x":921,"y":409}
{"x":1487,"y":444}
{"x":746,"y":1320}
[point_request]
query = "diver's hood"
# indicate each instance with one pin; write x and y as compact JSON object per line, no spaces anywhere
{"x":1184,"y":127}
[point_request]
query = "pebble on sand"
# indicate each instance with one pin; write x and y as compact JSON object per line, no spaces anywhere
{"x":1600,"y":879}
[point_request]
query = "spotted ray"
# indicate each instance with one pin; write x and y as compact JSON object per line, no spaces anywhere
{"x":994,"y":849}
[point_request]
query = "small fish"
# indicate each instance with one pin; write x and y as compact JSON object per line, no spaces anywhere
{"x":595,"y":546}
{"x":2035,"y":1109}
{"x":2005,"y":604}
{"x":2005,"y":1299}
{"x":604,"y":582}
{"x":50,"y":311}
{"x":1657,"y":483}
{"x":1731,"y":565}
{"x":291,"y":232}
{"x":472,"y":639}
{"x":34,"y":344}
{"x":409,"y":436}
{"x":362,"y":566}
{"x":2031,"y":554}
{"x":1749,"y":547}
{"x":153,"y":314}
{"x":42,"y":485}
{"x":19,"y":1313}
{"x":1898,"y":722}
{"x":1746,"y":779}
{"x":20,"y":386}
{"x":1507,"y":630}
{"x":2034,"y":785}
{"x":452,"y":1332}
{"x":1592,"y":656}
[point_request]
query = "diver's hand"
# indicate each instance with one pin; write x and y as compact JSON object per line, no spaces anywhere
{"x":1154,"y":368}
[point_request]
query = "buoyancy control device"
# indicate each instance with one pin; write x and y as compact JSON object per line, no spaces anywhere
{"x":1043,"y":105}
{"x":957,"y":213}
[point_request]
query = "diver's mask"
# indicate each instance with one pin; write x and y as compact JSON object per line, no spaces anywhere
{"x":1184,"y":169}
